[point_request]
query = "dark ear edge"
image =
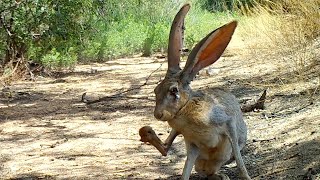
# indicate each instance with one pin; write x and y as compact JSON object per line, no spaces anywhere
{"x":175,"y":40}
{"x":208,"y":50}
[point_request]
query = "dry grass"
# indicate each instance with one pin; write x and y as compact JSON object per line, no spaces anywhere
{"x":11,"y":73}
{"x":287,"y":29}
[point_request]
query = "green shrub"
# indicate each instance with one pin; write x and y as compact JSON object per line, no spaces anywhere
{"x":55,"y":59}
{"x":62,"y":34}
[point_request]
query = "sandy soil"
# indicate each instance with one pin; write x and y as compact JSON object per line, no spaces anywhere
{"x":46,"y":132}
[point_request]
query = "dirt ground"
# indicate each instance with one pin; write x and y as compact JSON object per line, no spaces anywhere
{"x":46,"y":132}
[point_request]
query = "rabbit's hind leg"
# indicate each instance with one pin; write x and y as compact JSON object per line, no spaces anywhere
{"x":233,"y":137}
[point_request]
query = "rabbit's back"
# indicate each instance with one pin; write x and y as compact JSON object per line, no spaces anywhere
{"x":229,"y":103}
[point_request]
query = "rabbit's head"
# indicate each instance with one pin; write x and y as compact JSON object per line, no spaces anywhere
{"x":174,"y":91}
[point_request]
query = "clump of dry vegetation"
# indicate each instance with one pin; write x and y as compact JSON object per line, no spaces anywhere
{"x":285,"y":33}
{"x":286,"y":27}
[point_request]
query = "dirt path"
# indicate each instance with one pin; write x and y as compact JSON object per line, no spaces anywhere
{"x":47,"y":133}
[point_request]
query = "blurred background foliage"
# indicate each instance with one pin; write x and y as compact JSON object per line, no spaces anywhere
{"x":61,"y":33}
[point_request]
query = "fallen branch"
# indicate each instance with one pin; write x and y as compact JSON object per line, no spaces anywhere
{"x":264,"y":140}
{"x":257,"y":105}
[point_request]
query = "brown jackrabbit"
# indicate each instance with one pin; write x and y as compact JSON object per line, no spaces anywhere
{"x":210,"y":121}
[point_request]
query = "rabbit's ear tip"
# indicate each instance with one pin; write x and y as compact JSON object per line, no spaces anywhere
{"x":231,"y":26}
{"x":233,"y":23}
{"x":186,"y":5}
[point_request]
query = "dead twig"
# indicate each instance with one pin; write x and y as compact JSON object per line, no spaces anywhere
{"x":264,"y":140}
{"x":259,"y":104}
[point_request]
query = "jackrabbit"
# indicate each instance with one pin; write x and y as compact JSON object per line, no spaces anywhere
{"x":210,"y":121}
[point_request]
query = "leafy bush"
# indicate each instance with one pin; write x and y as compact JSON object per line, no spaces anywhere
{"x":130,"y":30}
{"x":223,"y":5}
{"x":60,"y":33}
{"x":56,"y":59}
{"x":38,"y":30}
{"x":285,"y":27}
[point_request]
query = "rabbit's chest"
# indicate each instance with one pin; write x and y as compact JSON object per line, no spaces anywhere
{"x":203,"y":135}
{"x":199,"y":132}
{"x":194,"y":123}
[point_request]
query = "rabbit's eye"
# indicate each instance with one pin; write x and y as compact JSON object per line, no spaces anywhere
{"x":174,"y":92}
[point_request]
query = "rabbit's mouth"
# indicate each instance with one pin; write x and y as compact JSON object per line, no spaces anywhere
{"x":163,"y":116}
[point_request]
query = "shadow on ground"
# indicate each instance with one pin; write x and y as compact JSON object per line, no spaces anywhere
{"x":263,"y":159}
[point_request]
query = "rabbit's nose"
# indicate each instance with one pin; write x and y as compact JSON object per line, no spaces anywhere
{"x":158,"y":114}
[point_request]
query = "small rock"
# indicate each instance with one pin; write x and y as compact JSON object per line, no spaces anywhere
{"x":212,"y":71}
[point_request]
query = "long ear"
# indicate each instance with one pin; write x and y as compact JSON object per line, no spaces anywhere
{"x":208,"y":50}
{"x":175,"y":40}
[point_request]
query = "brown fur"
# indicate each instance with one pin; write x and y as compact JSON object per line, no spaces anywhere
{"x":194,"y":123}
